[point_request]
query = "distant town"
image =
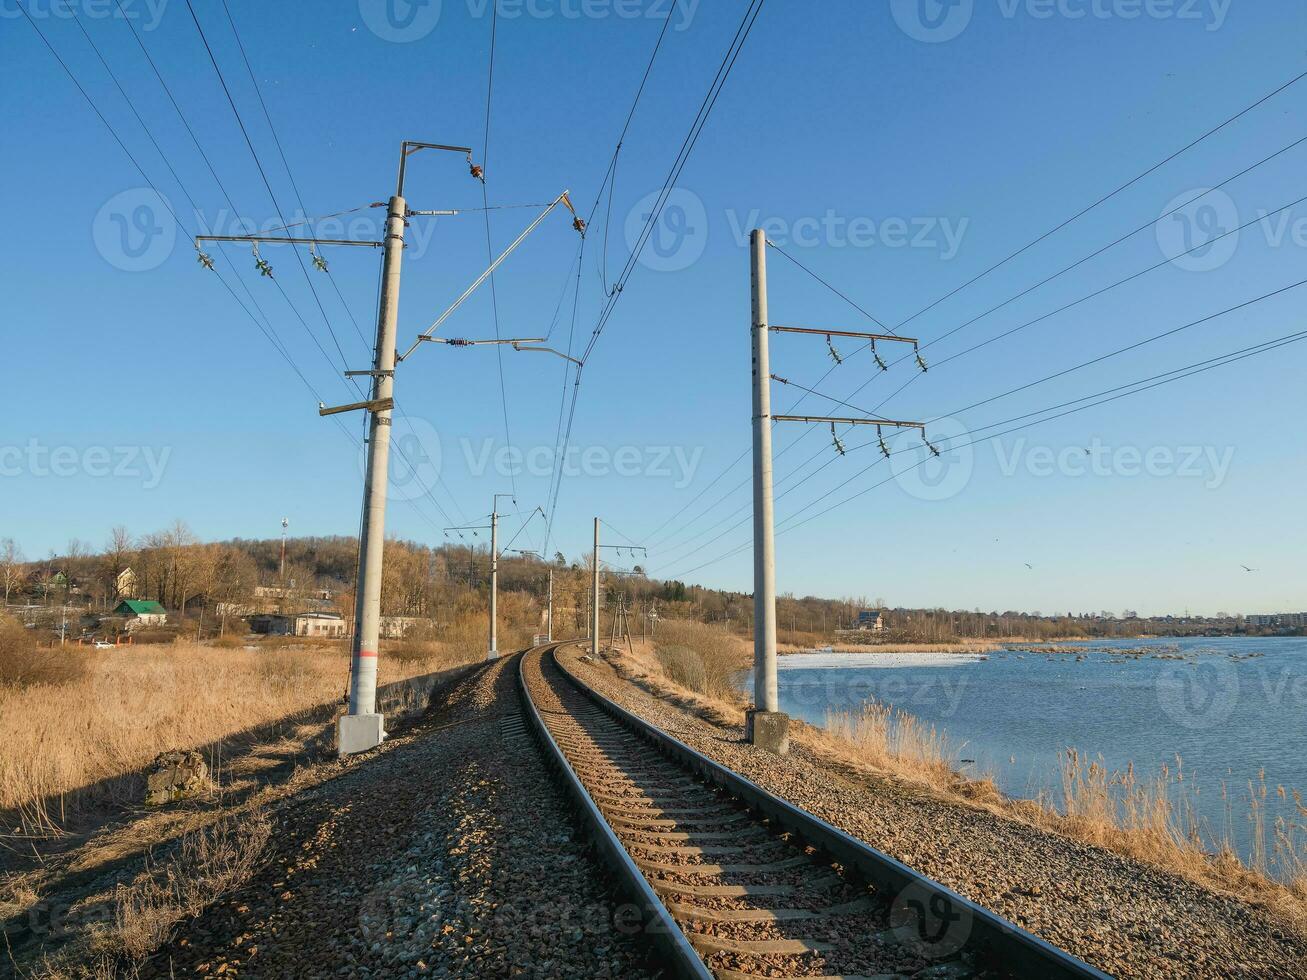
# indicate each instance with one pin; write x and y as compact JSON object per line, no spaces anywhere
{"x":167,"y":584}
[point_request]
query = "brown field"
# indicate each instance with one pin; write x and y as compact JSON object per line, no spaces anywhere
{"x":76,"y":724}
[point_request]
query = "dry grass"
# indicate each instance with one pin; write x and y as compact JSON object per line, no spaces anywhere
{"x":69,"y":743}
{"x":206,"y":865}
{"x":23,"y":663}
{"x":704,"y":659}
{"x":891,"y":739}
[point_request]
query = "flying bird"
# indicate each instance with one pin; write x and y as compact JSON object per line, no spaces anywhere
{"x":1247,"y":569}
{"x":1030,"y":566}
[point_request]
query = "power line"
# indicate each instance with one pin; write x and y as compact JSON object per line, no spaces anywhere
{"x":268,"y":185}
{"x":268,"y":331}
{"x":1007,"y":333}
{"x":286,"y":165}
{"x":559,"y":447}
{"x":956,"y":412}
{"x":1122,"y":391}
{"x":1024,"y":249}
{"x":1107,"y":197}
{"x":1094,"y":295}
{"x":687,"y":147}
{"x":490,"y":253}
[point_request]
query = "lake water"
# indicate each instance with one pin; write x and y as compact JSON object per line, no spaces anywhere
{"x":1228,"y":708}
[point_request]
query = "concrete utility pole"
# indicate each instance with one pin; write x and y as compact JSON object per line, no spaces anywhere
{"x":363,"y":727}
{"x":594,"y":588}
{"x":765,"y":724}
{"x":549,"y":613}
{"x":494,"y":577}
{"x":594,"y":597}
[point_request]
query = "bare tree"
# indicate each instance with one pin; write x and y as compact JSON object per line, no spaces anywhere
{"x":12,"y":566}
{"x":117,"y":558}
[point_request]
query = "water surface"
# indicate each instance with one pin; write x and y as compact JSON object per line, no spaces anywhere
{"x":1227,"y":708}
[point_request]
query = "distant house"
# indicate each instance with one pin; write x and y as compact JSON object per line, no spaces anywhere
{"x":319,"y":625}
{"x":141,"y":613}
{"x":871,"y":620}
{"x":398,"y":627}
{"x":125,"y":584}
{"x":270,"y":624}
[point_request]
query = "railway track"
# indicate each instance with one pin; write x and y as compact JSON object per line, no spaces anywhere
{"x":732,"y":882}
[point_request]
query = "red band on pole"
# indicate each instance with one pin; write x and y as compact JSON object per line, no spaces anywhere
{"x":368,"y":653}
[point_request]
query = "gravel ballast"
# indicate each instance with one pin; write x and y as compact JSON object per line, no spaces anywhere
{"x":451,"y":852}
{"x":1125,"y":917}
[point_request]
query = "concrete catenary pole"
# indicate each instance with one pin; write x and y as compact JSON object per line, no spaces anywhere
{"x":766,"y":726}
{"x":362,"y":729}
{"x":594,"y":597}
{"x":494,"y":581}
{"x":549,"y":614}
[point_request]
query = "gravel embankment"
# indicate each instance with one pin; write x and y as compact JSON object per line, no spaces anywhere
{"x":450,"y":853}
{"x":1124,"y":917}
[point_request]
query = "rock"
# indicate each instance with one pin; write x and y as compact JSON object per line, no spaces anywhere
{"x":176,"y":776}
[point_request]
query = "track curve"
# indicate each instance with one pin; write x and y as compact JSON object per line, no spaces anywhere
{"x":733,"y":882}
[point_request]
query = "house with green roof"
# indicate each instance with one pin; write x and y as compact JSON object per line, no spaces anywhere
{"x":141,"y":612}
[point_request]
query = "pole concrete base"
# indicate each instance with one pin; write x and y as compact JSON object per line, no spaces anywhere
{"x":768,"y":730}
{"x":359,"y":733}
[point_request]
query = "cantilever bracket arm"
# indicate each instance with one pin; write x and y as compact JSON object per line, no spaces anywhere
{"x":409,"y":147}
{"x":518,"y":345}
{"x":562,"y":198}
{"x":378,"y":405}
{"x":461,"y":342}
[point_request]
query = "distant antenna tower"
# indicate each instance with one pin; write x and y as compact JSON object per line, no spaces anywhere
{"x":285,"y":523}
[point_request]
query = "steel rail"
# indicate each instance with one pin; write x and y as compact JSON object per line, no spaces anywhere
{"x":1002,"y":944}
{"x":677,"y":955}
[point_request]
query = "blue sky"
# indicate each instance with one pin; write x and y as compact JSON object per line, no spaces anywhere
{"x":897,"y":150}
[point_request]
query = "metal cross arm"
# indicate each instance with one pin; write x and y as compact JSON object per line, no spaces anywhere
{"x":281,"y":240}
{"x":844,"y":333}
{"x":562,"y":198}
{"x":824,"y":419}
